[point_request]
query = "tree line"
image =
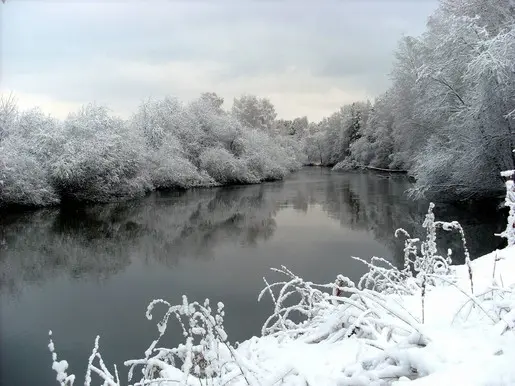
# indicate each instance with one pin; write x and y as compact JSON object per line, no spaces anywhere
{"x":94,"y":156}
{"x":448,"y":118}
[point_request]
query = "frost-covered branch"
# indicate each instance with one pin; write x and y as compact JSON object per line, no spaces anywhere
{"x":509,"y":201}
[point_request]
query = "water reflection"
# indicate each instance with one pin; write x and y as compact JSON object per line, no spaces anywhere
{"x":100,"y":240}
{"x":378,"y":204}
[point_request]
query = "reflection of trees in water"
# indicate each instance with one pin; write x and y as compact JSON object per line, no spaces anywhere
{"x":193,"y":223}
{"x":378,"y":204}
{"x":32,"y":251}
{"x":375,"y":204}
{"x":100,"y":240}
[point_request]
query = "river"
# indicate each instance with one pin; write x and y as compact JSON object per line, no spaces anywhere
{"x":92,"y":270}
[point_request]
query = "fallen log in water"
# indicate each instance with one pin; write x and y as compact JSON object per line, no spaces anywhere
{"x":385,"y":170}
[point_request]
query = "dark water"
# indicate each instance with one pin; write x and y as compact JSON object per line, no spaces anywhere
{"x":89,"y":271}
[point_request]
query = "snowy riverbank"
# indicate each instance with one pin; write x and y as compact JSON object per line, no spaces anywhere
{"x":427,"y":323}
{"x":463,"y":340}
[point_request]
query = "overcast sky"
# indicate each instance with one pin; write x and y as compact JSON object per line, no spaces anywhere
{"x":308,"y":57}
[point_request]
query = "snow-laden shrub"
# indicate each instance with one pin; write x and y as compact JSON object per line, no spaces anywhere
{"x":265,"y":159}
{"x":225,"y":168}
{"x":293,"y":148}
{"x":26,"y":155}
{"x":101,"y":158}
{"x":23,"y":179}
{"x":198,"y":126}
{"x":39,"y":135}
{"x":94,"y":156}
{"x":215,"y":142}
{"x":254,"y":112}
{"x":345,"y":165}
{"x":169,"y":168}
{"x":8,"y":115}
{"x":215,"y":127}
{"x":157,"y":118}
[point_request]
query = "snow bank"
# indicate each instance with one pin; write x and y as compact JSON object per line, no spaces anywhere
{"x":426,"y":323}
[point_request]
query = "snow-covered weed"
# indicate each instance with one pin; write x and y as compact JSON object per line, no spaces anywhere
{"x":338,"y":312}
{"x":374,"y":310}
{"x":332,"y":312}
{"x":60,"y":367}
{"x":206,"y":353}
{"x":206,"y":356}
{"x":422,"y":262}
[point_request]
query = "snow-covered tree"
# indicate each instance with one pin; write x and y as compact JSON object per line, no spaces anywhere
{"x":214,"y":99}
{"x":254,"y":112}
{"x":469,"y":88}
{"x":8,"y":113}
{"x":26,"y":155}
{"x":375,"y":146}
{"x":101,"y":160}
{"x":448,"y":118}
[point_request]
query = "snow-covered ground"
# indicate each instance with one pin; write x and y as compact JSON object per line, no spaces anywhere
{"x":460,"y":343}
{"x":428,"y":323}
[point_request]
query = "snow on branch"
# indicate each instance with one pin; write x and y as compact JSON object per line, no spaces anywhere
{"x":509,"y":201}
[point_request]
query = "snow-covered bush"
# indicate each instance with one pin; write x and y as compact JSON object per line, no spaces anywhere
{"x":345,"y":165}
{"x":8,"y":114}
{"x":295,"y":156}
{"x":97,"y":157}
{"x":214,"y":141}
{"x":173,"y":144}
{"x":101,"y":159}
{"x":264,"y":157}
{"x":254,"y":112}
{"x":169,"y":168}
{"x":224,"y":167}
{"x":26,"y":154}
{"x":157,"y":118}
{"x":23,"y":179}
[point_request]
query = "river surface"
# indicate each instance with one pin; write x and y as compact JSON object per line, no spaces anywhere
{"x":93,"y":270}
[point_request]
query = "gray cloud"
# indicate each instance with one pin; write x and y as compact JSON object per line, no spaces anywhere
{"x":121,"y":52}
